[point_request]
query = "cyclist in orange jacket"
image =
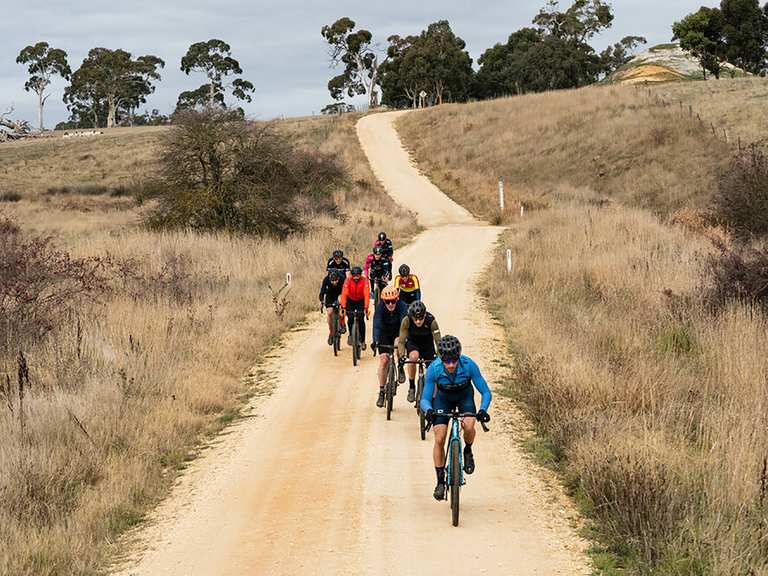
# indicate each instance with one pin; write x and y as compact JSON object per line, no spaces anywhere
{"x":355,"y":296}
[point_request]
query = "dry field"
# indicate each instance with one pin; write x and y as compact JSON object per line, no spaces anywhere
{"x":124,"y":389}
{"x":653,"y":406}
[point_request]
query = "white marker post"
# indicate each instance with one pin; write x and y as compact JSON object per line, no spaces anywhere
{"x":501,"y":194}
{"x":522,"y":210}
{"x":509,"y":261}
{"x":288,"y":279}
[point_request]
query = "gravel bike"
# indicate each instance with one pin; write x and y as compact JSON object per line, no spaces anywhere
{"x":423,"y":365}
{"x":390,"y":382}
{"x":454,"y":459}
{"x":357,"y":340}
{"x":335,"y":326}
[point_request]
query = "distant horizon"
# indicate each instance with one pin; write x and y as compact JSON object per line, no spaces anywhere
{"x":283,"y":55}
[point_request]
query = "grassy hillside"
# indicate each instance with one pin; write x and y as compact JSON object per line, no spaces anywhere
{"x":124,"y":388}
{"x":648,"y":401}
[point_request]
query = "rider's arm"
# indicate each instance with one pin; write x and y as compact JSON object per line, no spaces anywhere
{"x":344,"y":292}
{"x":417,"y":291}
{"x":404,"y":325}
{"x":323,"y":289}
{"x":429,"y":389}
{"x":367,"y":296}
{"x":480,"y":384}
{"x":377,"y":326}
{"x":367,"y":264}
{"x":435,"y":332}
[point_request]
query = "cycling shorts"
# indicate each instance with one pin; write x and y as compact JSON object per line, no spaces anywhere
{"x":408,"y":297}
{"x":426,"y":350}
{"x":445,"y":401}
{"x":387,"y":337}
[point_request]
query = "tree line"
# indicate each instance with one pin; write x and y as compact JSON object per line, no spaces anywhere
{"x":554,"y":53}
{"x":110,"y":85}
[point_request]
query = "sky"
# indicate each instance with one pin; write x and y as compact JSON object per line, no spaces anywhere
{"x":278,"y":44}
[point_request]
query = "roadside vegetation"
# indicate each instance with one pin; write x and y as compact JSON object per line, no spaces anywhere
{"x":122,"y":346}
{"x":635,"y":308}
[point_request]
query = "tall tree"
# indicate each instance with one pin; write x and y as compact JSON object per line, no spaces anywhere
{"x":354,"y":51}
{"x":497,"y":76}
{"x":113,"y":79}
{"x":43,"y":63}
{"x":745,"y":32}
{"x":701,"y":33}
{"x":614,"y":57}
{"x":579,"y":23}
{"x":214,"y":59}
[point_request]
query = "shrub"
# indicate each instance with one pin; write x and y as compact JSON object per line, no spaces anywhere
{"x":10,"y":197}
{"x":40,"y":284}
{"x":741,"y":201}
{"x":218,"y":172}
{"x":739,"y":274}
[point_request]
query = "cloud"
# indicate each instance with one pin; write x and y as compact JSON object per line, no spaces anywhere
{"x":278,"y":44}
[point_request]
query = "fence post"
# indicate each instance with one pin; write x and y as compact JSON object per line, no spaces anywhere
{"x":288,"y":279}
{"x":509,"y":261}
{"x":501,"y":193}
{"x":522,"y":209}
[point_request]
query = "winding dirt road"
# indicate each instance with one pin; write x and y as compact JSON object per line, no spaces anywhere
{"x":318,"y":482}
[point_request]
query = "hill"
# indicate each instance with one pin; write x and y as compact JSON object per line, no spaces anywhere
{"x":666,"y":63}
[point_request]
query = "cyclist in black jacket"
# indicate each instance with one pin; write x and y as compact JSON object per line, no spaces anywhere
{"x":338,"y":263}
{"x":329,"y":297}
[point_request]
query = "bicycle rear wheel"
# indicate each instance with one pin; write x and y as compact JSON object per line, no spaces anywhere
{"x":422,"y":419}
{"x":355,"y":343}
{"x":455,"y":481}
{"x":389,"y":387}
{"x":336,"y":335}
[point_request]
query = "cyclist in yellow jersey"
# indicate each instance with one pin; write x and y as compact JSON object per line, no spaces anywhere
{"x":410,"y":288}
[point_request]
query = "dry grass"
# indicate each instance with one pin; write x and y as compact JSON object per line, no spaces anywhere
{"x":121,"y":393}
{"x":655,"y":408}
{"x":615,"y":140}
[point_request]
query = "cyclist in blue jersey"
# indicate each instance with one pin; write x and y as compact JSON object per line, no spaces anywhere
{"x":449,"y":383}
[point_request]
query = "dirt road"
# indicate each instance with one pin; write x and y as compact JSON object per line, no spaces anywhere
{"x":318,"y":482}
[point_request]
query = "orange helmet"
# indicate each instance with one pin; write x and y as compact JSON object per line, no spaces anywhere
{"x":390,"y":293}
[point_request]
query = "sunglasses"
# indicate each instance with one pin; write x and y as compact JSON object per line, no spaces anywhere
{"x":450,"y":361}
{"x":390,"y":302}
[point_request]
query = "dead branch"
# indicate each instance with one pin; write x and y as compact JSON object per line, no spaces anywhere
{"x":280,"y":298}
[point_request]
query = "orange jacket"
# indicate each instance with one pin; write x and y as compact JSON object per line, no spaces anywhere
{"x":357,"y":291}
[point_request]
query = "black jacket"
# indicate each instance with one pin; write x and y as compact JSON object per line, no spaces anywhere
{"x":329,"y":293}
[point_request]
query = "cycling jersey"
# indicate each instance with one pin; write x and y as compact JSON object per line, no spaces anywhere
{"x":342,"y":267}
{"x":423,"y":338}
{"x":410,"y":289}
{"x":386,"y":324}
{"x":387,"y":249}
{"x":377,"y":268}
{"x":356,"y":291}
{"x":439,"y":381}
{"x":329,"y":293}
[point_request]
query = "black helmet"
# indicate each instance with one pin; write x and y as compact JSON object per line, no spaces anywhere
{"x":404,"y":270}
{"x":417,"y":310}
{"x":382,"y":236}
{"x":449,"y":348}
{"x":338,"y":253}
{"x":377,"y":250}
{"x":334,"y":276}
{"x":356,"y":271}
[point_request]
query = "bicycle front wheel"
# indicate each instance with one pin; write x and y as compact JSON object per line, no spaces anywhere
{"x":336,"y":334}
{"x":389,"y":388}
{"x":455,"y":481}
{"x":355,"y":343}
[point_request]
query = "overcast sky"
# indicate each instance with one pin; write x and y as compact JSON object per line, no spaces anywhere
{"x":278,"y":43}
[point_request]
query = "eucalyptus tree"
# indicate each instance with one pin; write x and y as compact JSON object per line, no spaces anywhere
{"x":43,"y":63}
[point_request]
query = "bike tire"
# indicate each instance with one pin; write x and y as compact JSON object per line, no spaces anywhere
{"x":455,"y":481}
{"x":389,"y":390}
{"x":336,"y":335}
{"x":422,"y":418}
{"x":355,"y":343}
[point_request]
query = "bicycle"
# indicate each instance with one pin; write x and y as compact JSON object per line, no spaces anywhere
{"x":423,"y":365}
{"x":378,"y":285}
{"x":454,"y":460}
{"x":336,"y":324}
{"x":357,"y":341}
{"x":390,"y":384}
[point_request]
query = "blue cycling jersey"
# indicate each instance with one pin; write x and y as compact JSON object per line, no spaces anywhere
{"x":466,"y":371}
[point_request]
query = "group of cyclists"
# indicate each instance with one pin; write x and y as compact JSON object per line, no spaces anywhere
{"x":403,"y":325}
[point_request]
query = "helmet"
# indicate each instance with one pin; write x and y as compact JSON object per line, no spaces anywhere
{"x":382,"y":236}
{"x":356,"y":271}
{"x":377,"y":250}
{"x":390,"y":293}
{"x":334,"y":276}
{"x":404,"y":270}
{"x":417,"y":310}
{"x":338,"y":253}
{"x":449,"y":347}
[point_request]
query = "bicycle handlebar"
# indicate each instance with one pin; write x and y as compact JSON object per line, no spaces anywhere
{"x":460,"y":415}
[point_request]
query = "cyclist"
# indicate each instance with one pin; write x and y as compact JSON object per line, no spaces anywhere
{"x":378,"y":269}
{"x":419,"y":335}
{"x":450,"y":380}
{"x":329,"y":297}
{"x":386,"y":245}
{"x":339,"y":263}
{"x":387,"y":318}
{"x":354,"y":297}
{"x":410,"y":289}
